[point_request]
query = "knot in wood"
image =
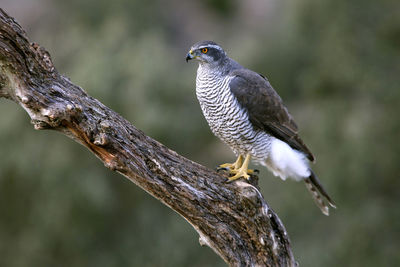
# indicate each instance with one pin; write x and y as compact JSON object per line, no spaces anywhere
{"x":73,"y":110}
{"x":53,"y":115}
{"x":101,"y":139}
{"x":105,"y":125}
{"x":25,"y":99}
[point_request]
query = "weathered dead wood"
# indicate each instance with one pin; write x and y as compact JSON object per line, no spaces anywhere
{"x":231,"y":218}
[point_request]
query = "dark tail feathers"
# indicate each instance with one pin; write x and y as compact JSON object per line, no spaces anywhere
{"x":318,"y":193}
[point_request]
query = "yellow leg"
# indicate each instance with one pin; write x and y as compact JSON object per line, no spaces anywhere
{"x":233,"y":166}
{"x":242,"y":171}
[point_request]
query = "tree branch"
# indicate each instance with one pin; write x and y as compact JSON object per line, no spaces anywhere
{"x":231,"y":218}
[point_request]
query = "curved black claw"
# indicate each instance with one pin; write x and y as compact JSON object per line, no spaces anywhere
{"x":222,"y":169}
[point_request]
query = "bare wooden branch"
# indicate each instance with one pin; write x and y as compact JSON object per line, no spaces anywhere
{"x":231,"y":218}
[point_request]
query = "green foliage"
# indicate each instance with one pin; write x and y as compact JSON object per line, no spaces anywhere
{"x":335,"y":63}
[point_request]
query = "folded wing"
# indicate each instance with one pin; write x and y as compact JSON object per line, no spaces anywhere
{"x":265,"y":108}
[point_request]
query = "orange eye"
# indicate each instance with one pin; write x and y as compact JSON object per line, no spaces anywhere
{"x":204,"y":50}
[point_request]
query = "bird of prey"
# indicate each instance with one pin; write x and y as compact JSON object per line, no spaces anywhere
{"x":247,"y":114}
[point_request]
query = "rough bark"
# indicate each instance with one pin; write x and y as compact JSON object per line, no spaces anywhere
{"x":231,"y":218}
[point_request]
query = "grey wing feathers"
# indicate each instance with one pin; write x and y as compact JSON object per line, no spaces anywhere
{"x":265,"y":108}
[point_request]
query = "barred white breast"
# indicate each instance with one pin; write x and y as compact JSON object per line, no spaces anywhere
{"x":226,"y":118}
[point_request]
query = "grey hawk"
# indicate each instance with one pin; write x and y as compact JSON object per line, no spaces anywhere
{"x":247,"y":114}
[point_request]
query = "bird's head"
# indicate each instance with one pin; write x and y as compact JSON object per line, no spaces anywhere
{"x":206,"y":52}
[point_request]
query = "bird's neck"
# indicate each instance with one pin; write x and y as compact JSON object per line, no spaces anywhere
{"x":218,"y":69}
{"x":208,"y":70}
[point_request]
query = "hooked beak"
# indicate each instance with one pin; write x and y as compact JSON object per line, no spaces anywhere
{"x":189,"y":56}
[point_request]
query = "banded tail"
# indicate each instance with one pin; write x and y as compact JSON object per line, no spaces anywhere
{"x":318,"y":193}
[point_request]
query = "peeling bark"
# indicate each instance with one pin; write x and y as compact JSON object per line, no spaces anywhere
{"x":231,"y":218}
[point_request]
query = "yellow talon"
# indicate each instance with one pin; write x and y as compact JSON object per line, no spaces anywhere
{"x":233,"y":166}
{"x":239,"y":168}
{"x":249,"y":171}
{"x":239,"y":175}
{"x":243,"y":171}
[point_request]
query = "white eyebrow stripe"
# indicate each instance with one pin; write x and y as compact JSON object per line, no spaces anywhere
{"x":212,"y":46}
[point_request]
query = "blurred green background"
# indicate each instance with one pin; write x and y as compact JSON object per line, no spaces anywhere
{"x":336,"y":64}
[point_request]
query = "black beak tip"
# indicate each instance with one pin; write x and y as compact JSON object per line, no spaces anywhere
{"x":188,"y":57}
